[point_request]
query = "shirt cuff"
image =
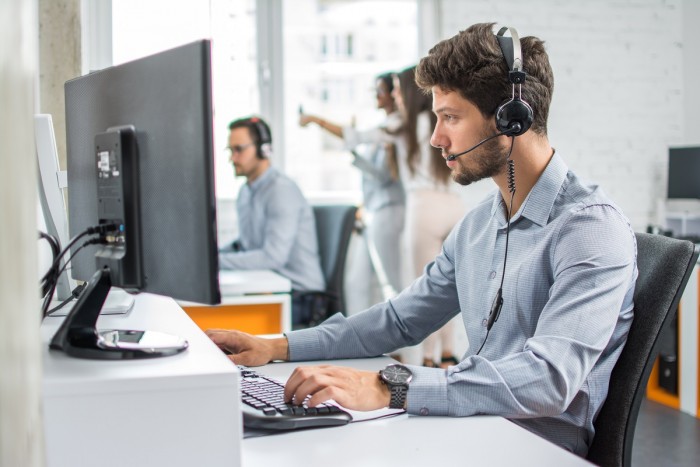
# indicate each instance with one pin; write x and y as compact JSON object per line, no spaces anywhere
{"x":427,"y":392}
{"x":303,"y":345}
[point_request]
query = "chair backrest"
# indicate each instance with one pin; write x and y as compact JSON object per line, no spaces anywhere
{"x":334,"y":225}
{"x":664,"y":264}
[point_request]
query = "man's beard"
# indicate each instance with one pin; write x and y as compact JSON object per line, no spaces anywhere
{"x":490,"y":160}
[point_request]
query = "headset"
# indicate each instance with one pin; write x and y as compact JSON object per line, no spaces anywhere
{"x":514,"y":117}
{"x":264,"y":139}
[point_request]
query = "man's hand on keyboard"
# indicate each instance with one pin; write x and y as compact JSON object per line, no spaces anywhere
{"x":249,"y":350}
{"x":351,"y":388}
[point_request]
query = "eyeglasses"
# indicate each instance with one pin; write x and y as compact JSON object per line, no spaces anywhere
{"x":238,"y":148}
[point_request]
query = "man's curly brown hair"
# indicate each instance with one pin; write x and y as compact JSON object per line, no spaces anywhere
{"x":472,"y":64}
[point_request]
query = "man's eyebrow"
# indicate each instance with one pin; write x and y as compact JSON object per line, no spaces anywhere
{"x":445,"y":109}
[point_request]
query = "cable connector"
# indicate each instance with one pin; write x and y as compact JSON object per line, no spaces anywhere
{"x":96,"y":241}
{"x":78,"y":290}
{"x":103,"y":228}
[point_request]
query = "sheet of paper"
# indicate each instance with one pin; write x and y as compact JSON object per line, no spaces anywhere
{"x":361,"y":416}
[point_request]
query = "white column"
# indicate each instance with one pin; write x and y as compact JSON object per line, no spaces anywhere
{"x":21,"y":434}
{"x":691,"y":68}
{"x":271,"y":72}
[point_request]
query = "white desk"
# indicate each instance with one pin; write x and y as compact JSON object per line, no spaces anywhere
{"x":171,"y":411}
{"x":236,"y":283}
{"x":404,"y":440}
{"x":255,"y":301}
{"x":180,"y":411}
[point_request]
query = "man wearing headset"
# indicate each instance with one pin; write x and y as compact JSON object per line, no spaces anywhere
{"x":565,"y":285}
{"x":276,"y":225}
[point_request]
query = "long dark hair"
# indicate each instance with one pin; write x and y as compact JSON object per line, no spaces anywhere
{"x":416,"y":101}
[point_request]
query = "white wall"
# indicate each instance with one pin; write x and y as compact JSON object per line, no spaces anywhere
{"x":619,"y":96}
{"x":691,"y":72}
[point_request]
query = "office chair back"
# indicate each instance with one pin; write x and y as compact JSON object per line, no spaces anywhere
{"x":334,"y":226}
{"x":664,"y":264}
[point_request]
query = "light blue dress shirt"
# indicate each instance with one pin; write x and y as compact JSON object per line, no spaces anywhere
{"x":567,"y":310}
{"x":277,"y":231}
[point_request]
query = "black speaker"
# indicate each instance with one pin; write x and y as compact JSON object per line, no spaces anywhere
{"x":668,"y":358}
{"x":668,"y":373}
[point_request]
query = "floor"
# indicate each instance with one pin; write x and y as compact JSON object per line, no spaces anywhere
{"x":665,"y":437}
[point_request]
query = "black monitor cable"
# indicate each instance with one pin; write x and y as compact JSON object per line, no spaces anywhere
{"x":73,"y":296}
{"x":79,"y":289}
{"x":56,"y":270}
{"x":101,"y":229}
{"x":50,"y":275}
{"x":498,"y":301}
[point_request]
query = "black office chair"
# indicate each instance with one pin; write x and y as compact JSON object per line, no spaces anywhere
{"x":664,"y":266}
{"x":334,"y":225}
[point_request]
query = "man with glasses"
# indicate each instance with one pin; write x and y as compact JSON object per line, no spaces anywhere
{"x":275,"y":222}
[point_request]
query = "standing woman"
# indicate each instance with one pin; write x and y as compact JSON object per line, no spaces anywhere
{"x":433,"y":205}
{"x":382,"y":213}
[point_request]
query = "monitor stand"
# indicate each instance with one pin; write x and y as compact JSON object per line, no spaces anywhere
{"x":78,"y":336}
{"x":118,"y":302}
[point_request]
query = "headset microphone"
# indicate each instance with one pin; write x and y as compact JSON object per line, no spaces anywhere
{"x":514,"y":128}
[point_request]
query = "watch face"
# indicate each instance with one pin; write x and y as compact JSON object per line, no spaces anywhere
{"x":397,"y":374}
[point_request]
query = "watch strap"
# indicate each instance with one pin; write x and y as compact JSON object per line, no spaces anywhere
{"x":398,"y":396}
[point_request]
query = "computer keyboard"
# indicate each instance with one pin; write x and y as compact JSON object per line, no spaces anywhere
{"x":264,"y":407}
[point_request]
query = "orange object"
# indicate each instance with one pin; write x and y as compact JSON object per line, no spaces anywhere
{"x":253,"y":319}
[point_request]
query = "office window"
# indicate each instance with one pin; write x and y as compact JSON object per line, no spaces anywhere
{"x":333,"y":50}
{"x":140,"y":28}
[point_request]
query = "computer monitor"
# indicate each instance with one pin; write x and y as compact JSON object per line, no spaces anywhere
{"x":684,"y":173}
{"x":140,"y":161}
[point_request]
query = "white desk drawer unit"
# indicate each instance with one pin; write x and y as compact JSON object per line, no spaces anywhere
{"x":175,"y":411}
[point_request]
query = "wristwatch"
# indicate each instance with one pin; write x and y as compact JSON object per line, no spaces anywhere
{"x":396,"y":377}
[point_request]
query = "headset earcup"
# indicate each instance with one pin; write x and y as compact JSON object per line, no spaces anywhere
{"x":514,"y":111}
{"x":265,"y":151}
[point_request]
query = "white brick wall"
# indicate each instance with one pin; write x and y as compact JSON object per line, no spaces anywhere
{"x":618,"y":97}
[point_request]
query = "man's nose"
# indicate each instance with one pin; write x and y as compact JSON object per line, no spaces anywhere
{"x":436,"y":139}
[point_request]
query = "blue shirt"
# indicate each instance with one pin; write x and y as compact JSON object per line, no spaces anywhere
{"x":566,"y":314}
{"x":277,"y":231}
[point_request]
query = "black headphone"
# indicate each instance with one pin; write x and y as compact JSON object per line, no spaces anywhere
{"x":264,"y":139}
{"x":515,"y":112}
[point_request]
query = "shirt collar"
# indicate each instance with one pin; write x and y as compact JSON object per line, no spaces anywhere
{"x":539,"y":202}
{"x":263,"y":180}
